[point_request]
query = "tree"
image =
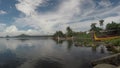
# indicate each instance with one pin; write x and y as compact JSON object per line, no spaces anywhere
{"x":93,"y":27}
{"x":113,"y":28}
{"x":7,"y":36}
{"x":101,"y":23}
{"x":69,"y":32}
{"x":59,"y":34}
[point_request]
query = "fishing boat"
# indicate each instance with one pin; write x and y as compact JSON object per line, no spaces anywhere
{"x":104,"y":38}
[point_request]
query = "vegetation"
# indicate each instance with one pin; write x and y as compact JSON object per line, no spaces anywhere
{"x":113,"y":42}
{"x":69,"y":32}
{"x":113,"y":28}
{"x":59,"y":34}
{"x":94,"y":28}
{"x":82,"y":35}
{"x":101,"y":23}
{"x":113,"y":45}
{"x":86,"y":38}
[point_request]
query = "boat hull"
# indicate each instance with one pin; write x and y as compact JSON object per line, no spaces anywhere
{"x":104,"y":38}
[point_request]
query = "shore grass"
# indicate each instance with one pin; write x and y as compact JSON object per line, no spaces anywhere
{"x":114,"y":42}
{"x":82,"y":35}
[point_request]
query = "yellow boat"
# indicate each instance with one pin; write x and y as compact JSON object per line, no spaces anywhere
{"x":104,"y":38}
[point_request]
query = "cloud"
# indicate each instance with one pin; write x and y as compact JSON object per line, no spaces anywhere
{"x":2,"y":12}
{"x":28,"y":7}
{"x":47,"y":22}
{"x":105,"y":3}
{"x":11,"y":29}
{"x":78,"y":14}
{"x":2,"y":27}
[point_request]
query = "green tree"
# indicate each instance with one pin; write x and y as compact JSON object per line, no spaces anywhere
{"x":101,"y":23}
{"x":93,"y":27}
{"x":113,"y":28}
{"x":59,"y":33}
{"x":69,"y":32}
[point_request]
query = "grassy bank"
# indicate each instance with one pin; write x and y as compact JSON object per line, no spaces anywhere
{"x":82,"y":35}
{"x":114,"y":42}
{"x":113,"y":45}
{"x":83,"y":38}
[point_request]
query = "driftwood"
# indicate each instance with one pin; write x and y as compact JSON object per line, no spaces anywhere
{"x":113,"y":59}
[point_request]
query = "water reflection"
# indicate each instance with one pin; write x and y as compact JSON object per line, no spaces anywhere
{"x":94,"y":48}
{"x":46,"y":53}
{"x":48,"y":63}
{"x":102,"y":50}
{"x":8,"y":59}
{"x":70,"y":44}
{"x":58,"y":41}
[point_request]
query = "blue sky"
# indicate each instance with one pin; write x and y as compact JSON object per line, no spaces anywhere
{"x":41,"y":17}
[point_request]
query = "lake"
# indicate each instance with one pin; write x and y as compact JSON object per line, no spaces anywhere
{"x":47,"y":53}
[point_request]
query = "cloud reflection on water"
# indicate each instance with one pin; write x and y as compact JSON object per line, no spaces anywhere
{"x":42,"y":52}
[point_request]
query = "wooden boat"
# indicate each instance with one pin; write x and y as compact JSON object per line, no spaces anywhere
{"x":104,"y":38}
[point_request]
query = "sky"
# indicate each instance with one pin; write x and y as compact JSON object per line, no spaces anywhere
{"x":43,"y":17}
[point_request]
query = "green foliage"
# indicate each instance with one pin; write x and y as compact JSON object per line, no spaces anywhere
{"x":69,"y":32}
{"x":101,"y":22}
{"x":82,"y":35}
{"x":83,"y":38}
{"x":59,"y":33}
{"x":94,"y":28}
{"x":114,"y":42}
{"x":113,"y":28}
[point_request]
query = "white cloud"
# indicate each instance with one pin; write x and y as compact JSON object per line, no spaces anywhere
{"x":105,"y":3}
{"x":69,"y":11}
{"x":28,"y":6}
{"x":11,"y":28}
{"x":110,"y":19}
{"x":2,"y":12}
{"x":2,"y":27}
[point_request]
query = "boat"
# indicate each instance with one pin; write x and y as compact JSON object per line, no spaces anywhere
{"x":104,"y":38}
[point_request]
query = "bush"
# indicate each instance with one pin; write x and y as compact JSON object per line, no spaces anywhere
{"x":114,"y":42}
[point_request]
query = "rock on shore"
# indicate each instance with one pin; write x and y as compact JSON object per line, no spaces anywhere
{"x":105,"y":66}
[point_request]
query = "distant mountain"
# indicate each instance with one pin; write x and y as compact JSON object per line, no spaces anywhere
{"x":27,"y":36}
{"x":23,"y":35}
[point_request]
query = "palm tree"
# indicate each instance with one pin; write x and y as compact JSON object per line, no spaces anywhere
{"x":69,"y":32}
{"x":101,"y":23}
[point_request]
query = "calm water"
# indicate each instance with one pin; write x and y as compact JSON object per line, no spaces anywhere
{"x":46,"y":53}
